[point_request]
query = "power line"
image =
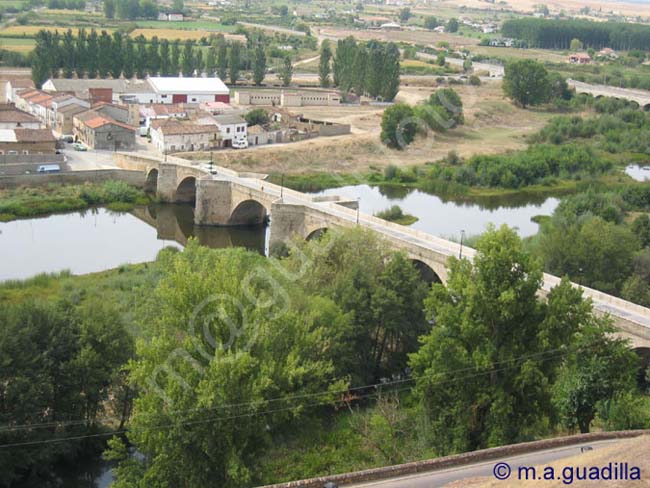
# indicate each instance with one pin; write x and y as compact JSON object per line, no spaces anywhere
{"x":265,"y":412}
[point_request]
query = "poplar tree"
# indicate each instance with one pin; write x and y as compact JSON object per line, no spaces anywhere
{"x":187,"y":60}
{"x":92,"y":57}
{"x":222,"y":59}
{"x":117,"y":55}
{"x":69,"y":54}
{"x":259,"y":65}
{"x":175,"y":61}
{"x":129,"y":59}
{"x":234,"y":61}
{"x":211,"y":61}
{"x":165,"y":62}
{"x":324,"y":64}
{"x":153,"y":57}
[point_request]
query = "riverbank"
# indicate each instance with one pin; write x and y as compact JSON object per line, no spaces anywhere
{"x":26,"y":202}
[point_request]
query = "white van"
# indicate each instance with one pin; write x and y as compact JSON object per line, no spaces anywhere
{"x":241,"y":143}
{"x":49,"y":168}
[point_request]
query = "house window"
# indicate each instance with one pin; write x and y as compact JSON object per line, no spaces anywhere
{"x":227,"y":130}
{"x":25,"y":151}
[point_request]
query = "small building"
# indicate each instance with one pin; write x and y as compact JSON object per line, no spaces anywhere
{"x":390,"y":26}
{"x":158,"y":111}
{"x":260,"y":135}
{"x":216,"y":108}
{"x":27,"y":141}
{"x":99,"y":131}
{"x":608,"y":53}
{"x":230,"y":127}
{"x":170,"y":136}
{"x":189,"y":90}
{"x":579,"y":58}
{"x":12,"y":86}
{"x":287,"y":98}
{"x":64,"y":118}
{"x":12,"y":118}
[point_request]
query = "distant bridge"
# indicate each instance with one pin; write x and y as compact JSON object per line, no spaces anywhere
{"x":228,"y":198}
{"x":640,"y":97}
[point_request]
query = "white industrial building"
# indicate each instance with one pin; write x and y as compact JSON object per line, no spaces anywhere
{"x":151,"y":90}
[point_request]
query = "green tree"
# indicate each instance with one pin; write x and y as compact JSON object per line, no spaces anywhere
{"x":526,"y":82}
{"x":391,"y":72}
{"x":600,"y":368}
{"x":92,"y":54}
{"x":109,"y":9}
{"x":324,"y":64}
{"x":117,"y":55}
{"x":483,"y":372}
{"x":452,"y":25}
{"x":259,"y":64}
{"x":576,"y":45}
{"x":153,"y":56}
{"x":175,"y":59}
{"x":188,"y":62}
{"x":165,"y":60}
{"x":431,"y":22}
{"x":222,"y":59}
{"x":405,"y":14}
{"x":234,"y":62}
{"x":211,"y":61}
{"x":449,"y":100}
{"x":81,"y":57}
{"x":140,"y":61}
{"x":105,"y":59}
{"x":214,"y":356}
{"x":398,"y":126}
{"x":441,"y":59}
{"x":257,"y":116}
{"x":285,"y":71}
{"x":129,"y":59}
{"x":641,"y":228}
{"x":69,"y":53}
{"x":178,"y":5}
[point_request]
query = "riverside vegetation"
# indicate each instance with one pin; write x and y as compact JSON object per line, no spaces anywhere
{"x":286,"y":396}
{"x":52,"y":198}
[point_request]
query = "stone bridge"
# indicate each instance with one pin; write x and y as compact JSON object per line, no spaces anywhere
{"x":640,"y":97}
{"x":226,"y":198}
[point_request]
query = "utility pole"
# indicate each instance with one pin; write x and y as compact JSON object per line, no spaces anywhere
{"x":282,"y":187}
{"x":358,"y":208}
{"x":462,"y":237}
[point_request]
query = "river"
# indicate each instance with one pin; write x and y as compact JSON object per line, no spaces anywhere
{"x":99,"y":239}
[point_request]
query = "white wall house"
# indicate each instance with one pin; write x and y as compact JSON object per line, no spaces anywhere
{"x":231,"y":127}
{"x":170,"y":136}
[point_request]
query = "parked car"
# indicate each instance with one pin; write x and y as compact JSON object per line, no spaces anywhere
{"x":66,"y":138}
{"x":49,"y":168}
{"x":77,"y":146}
{"x":240,"y":143}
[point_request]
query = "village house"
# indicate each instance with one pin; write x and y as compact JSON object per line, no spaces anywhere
{"x":64,"y":118}
{"x":13,"y":86}
{"x":27,"y":141}
{"x":231,"y":127}
{"x":12,"y":118}
{"x":99,"y":131}
{"x":579,"y":58}
{"x":159,"y":111}
{"x":169,"y":136}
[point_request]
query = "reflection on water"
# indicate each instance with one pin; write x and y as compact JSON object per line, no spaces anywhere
{"x":446,"y":216}
{"x":98,"y":239}
{"x":639,"y":173}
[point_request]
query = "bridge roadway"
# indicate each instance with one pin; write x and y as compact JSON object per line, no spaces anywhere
{"x":295,"y":212}
{"x":641,"y":97}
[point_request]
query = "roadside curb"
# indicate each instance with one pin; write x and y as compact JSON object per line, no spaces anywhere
{"x":457,"y":459}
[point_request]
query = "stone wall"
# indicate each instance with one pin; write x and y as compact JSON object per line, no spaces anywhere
{"x":457,"y":460}
{"x":134,"y":178}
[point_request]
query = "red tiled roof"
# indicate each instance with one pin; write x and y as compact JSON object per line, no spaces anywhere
{"x":34,"y":135}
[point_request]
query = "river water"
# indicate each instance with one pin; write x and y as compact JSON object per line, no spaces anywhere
{"x":99,"y":239}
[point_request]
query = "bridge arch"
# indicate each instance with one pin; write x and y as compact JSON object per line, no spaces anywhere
{"x":186,"y":190}
{"x":151,"y":182}
{"x":248,"y":212}
{"x":426,"y":272}
{"x":317,"y":234}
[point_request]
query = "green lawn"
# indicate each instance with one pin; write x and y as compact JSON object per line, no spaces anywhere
{"x":17,"y":44}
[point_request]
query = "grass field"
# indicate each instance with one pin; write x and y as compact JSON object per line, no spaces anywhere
{"x":11,"y":3}
{"x":31,"y":30}
{"x":172,"y":34}
{"x":20,"y":44}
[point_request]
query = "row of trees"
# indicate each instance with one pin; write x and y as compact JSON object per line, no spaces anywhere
{"x":558,"y":34}
{"x":371,"y":68}
{"x":67,"y":4}
{"x":99,"y":55}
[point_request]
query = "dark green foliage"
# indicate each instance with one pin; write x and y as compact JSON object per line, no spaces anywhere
{"x":259,"y":64}
{"x":398,"y":126}
{"x":527,"y":82}
{"x":451,"y":103}
{"x":641,"y":227}
{"x":257,"y":116}
{"x":558,"y":34}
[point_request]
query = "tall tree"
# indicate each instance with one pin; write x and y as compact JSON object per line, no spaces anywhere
{"x":92,"y":54}
{"x":140,"y":63}
{"x":360,"y":67}
{"x":129,"y":59}
{"x":199,"y":63}
{"x":153,"y":57}
{"x":222,"y":57}
{"x":483,"y":372}
{"x":259,"y":65}
{"x":165,"y":61}
{"x":324,"y":64}
{"x":175,"y":60}
{"x":105,"y":59}
{"x":117,"y":55}
{"x":69,"y":54}
{"x":234,"y":62}
{"x":375,"y":69}
{"x":211,"y":61}
{"x":391,"y":72}
{"x":285,"y":72}
{"x":81,"y":54}
{"x":109,"y":9}
{"x":187,"y":59}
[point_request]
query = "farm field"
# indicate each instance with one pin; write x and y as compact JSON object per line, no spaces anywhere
{"x":31,"y":30}
{"x":414,"y":37}
{"x":514,"y":53}
{"x":173,"y":34}
{"x":20,"y":44}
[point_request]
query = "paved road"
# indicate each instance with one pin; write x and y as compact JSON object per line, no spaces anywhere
{"x":444,"y":476}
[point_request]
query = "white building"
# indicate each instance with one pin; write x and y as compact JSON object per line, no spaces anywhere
{"x":189,"y":90}
{"x":231,"y":127}
{"x":171,"y":136}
